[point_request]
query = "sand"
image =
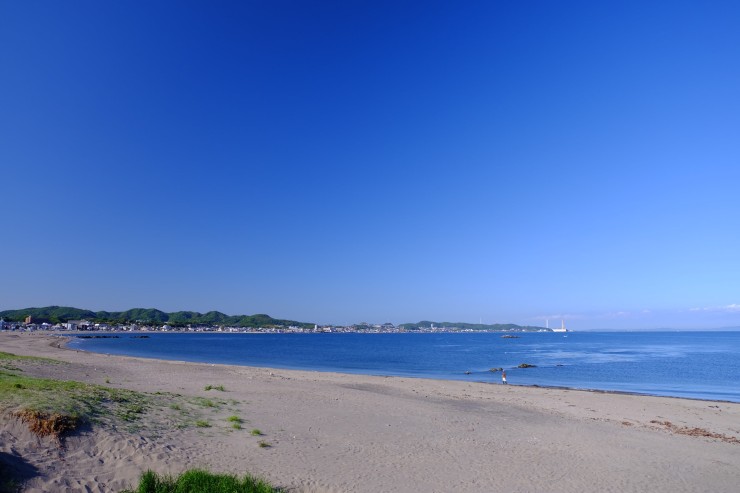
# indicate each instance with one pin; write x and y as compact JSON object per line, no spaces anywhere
{"x":351,"y":433}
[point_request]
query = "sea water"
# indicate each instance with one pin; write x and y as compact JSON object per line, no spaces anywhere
{"x":701,"y":365}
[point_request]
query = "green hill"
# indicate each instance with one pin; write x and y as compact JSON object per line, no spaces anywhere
{"x":61,"y":314}
{"x":425,"y":324}
{"x":52,"y":314}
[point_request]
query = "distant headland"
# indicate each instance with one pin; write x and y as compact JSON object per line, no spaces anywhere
{"x":70,"y":318}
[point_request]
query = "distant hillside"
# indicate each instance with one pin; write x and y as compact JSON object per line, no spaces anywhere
{"x":61,"y":314}
{"x":425,"y":324}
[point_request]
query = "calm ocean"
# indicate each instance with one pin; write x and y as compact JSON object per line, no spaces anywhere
{"x":702,"y":365}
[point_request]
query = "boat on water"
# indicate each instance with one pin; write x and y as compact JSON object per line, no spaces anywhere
{"x":561,"y":328}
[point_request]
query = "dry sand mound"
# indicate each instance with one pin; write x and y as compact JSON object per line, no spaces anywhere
{"x":89,"y":460}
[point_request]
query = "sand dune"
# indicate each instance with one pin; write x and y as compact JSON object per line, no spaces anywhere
{"x":351,"y":433}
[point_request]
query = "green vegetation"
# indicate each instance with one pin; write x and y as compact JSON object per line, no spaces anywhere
{"x":53,"y":407}
{"x":6,"y":360}
{"x":425,"y":324}
{"x":199,"y":481}
{"x":256,"y":432}
{"x":205,"y":402}
{"x":215,"y":387}
{"x":61,"y":314}
{"x":263,"y":444}
{"x":79,"y":401}
{"x":16,"y":357}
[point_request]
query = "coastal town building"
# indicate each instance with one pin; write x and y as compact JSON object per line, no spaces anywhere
{"x":78,"y":325}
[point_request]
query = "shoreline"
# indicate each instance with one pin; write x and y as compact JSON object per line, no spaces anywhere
{"x":337,"y":432}
{"x":70,"y":337}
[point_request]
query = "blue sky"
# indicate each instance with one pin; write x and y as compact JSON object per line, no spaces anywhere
{"x":339,"y":162}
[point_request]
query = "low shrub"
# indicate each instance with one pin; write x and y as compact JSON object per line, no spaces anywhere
{"x":200,"y":481}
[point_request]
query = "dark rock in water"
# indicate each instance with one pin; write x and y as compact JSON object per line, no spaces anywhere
{"x":559,"y":364}
{"x":508,"y":336}
{"x":526,"y":365}
{"x":496,"y":369}
{"x":139,"y":337}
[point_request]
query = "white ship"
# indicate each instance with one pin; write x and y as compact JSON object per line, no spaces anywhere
{"x":562,"y":327}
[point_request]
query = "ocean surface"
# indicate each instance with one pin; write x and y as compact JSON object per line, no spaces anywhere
{"x":700,"y":365}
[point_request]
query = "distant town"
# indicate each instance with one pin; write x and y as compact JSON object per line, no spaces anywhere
{"x":28,"y":325}
{"x":70,"y":319}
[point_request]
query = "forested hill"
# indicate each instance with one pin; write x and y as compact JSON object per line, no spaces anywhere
{"x":426,"y":324}
{"x":61,"y":314}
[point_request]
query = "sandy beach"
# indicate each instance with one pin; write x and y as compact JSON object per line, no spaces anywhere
{"x":326,"y":432}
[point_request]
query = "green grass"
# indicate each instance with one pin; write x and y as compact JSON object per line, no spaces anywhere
{"x":58,"y":407}
{"x":6,"y":360}
{"x":75,"y":399}
{"x":264,"y":444}
{"x":255,"y":432}
{"x":11,"y":356}
{"x":199,"y":481}
{"x":44,"y":403}
{"x":215,"y":387}
{"x":80,"y":402}
{"x":205,"y":402}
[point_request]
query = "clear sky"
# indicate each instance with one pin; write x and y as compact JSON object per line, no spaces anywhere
{"x":339,"y":162}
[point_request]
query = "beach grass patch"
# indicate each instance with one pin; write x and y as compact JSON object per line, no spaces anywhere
{"x":264,"y":444}
{"x":7,"y":361}
{"x":201,"y":423}
{"x":197,"y":481}
{"x":55,"y":407}
{"x":130,"y":412}
{"x":203,"y":402}
{"x":50,"y":407}
{"x":15,"y":357}
{"x":215,"y":387}
{"x":255,"y":432}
